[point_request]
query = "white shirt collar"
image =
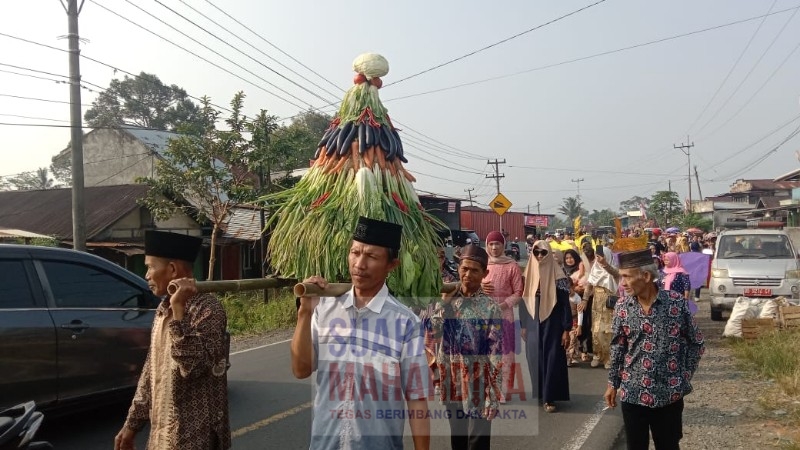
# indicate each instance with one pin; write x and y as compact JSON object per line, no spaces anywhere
{"x":375,"y":305}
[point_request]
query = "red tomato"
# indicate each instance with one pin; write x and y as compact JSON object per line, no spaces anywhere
{"x":359,"y":78}
{"x":376,"y":82}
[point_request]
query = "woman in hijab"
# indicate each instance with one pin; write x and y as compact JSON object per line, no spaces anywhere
{"x":602,"y":283}
{"x":574,"y":268}
{"x":545,"y":319}
{"x":505,"y":280}
{"x":676,"y":278}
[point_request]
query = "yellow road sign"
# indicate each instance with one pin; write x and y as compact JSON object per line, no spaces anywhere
{"x":500,"y":204}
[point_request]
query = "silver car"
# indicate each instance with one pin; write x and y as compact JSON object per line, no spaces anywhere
{"x":753,"y":263}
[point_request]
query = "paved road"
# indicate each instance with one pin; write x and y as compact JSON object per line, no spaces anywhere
{"x":270,"y":409}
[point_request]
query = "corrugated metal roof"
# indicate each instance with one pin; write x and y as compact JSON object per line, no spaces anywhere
{"x":153,"y":139}
{"x":15,"y":233}
{"x":244,"y":224}
{"x":49,"y":211}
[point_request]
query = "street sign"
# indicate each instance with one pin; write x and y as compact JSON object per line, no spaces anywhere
{"x":500,"y":204}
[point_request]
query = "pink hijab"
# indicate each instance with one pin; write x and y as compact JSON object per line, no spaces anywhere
{"x":672,"y":267}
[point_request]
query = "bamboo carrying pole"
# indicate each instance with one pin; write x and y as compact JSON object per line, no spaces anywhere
{"x":299,"y":289}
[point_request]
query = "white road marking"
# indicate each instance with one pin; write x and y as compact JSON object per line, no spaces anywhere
{"x":260,"y":347}
{"x":580,"y":437}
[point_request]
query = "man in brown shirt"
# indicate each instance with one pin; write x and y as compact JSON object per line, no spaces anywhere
{"x":183,"y":389}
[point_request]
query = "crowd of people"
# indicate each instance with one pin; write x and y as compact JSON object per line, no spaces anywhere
{"x":577,"y":303}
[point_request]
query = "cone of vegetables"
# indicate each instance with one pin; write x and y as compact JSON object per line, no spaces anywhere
{"x":357,"y":171}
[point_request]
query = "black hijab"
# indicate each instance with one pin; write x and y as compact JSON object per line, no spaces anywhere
{"x":577,"y":261}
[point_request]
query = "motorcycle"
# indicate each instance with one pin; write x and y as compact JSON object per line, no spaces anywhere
{"x":513,"y":251}
{"x":18,"y":426}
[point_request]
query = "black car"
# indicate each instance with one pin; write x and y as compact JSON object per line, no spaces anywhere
{"x":73,"y":327}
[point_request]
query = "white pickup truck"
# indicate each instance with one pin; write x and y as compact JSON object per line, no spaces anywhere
{"x":754,"y":263}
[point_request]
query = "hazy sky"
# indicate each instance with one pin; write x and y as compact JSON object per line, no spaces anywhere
{"x":611,"y":120}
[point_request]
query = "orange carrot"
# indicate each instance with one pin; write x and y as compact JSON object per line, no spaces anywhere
{"x":354,"y":155}
{"x":408,"y":175}
{"x":322,"y":157}
{"x":368,"y":154}
{"x":381,"y":158}
{"x":338,"y":167}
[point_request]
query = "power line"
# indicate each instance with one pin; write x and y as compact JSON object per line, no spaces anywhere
{"x":459,"y":152}
{"x":270,"y":43}
{"x":33,"y":118}
{"x":502,"y":41}
{"x":202,"y":58}
{"x":105,"y":64}
{"x":747,"y":76}
{"x":38,"y":99}
{"x":439,"y":164}
{"x":760,"y":88}
{"x":735,"y":64}
{"x":421,"y":144}
{"x":751,"y":165}
{"x":753,"y":144}
{"x":563,"y":169}
{"x":763,"y":157}
{"x":258,"y":49}
{"x":596,"y":55}
{"x":28,"y":75}
{"x":35,"y":70}
{"x":243,"y":53}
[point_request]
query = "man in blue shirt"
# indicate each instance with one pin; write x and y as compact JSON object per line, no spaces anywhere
{"x":655,"y":350}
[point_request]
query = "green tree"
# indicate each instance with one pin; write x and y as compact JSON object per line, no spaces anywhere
{"x":61,"y":168}
{"x":603,"y":217}
{"x":665,"y":207}
{"x":145,"y":101}
{"x":694,"y":220}
{"x":558,"y":222}
{"x":297,"y":142}
{"x":33,"y":180}
{"x":206,"y":175}
{"x":632,"y":204}
{"x":572,"y":208}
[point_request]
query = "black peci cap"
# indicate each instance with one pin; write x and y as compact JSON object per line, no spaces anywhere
{"x":378,"y":232}
{"x":171,"y":245}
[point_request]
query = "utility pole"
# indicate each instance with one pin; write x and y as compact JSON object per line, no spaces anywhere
{"x":697,"y":178}
{"x":669,"y":208}
{"x":578,"y":182}
{"x":497,"y":175}
{"x":538,"y":209}
{"x":686,"y":149}
{"x":469,"y":192}
{"x":76,"y":120}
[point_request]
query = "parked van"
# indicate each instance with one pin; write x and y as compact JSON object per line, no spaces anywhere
{"x":753,"y":263}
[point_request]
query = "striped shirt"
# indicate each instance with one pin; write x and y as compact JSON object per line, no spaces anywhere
{"x":369,"y":362}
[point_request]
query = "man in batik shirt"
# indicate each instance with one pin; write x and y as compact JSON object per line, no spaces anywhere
{"x":183,"y":389}
{"x":655,"y":350}
{"x":468,"y":327}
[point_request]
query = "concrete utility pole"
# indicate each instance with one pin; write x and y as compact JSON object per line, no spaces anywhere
{"x":669,"y":208}
{"x":497,"y":175}
{"x":697,"y":178}
{"x":538,"y":208}
{"x":686,"y":149}
{"x":469,"y":192}
{"x":76,"y":120}
{"x":578,"y":182}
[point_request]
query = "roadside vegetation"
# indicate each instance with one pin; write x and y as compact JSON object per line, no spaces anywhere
{"x":776,"y":357}
{"x":248,"y":314}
